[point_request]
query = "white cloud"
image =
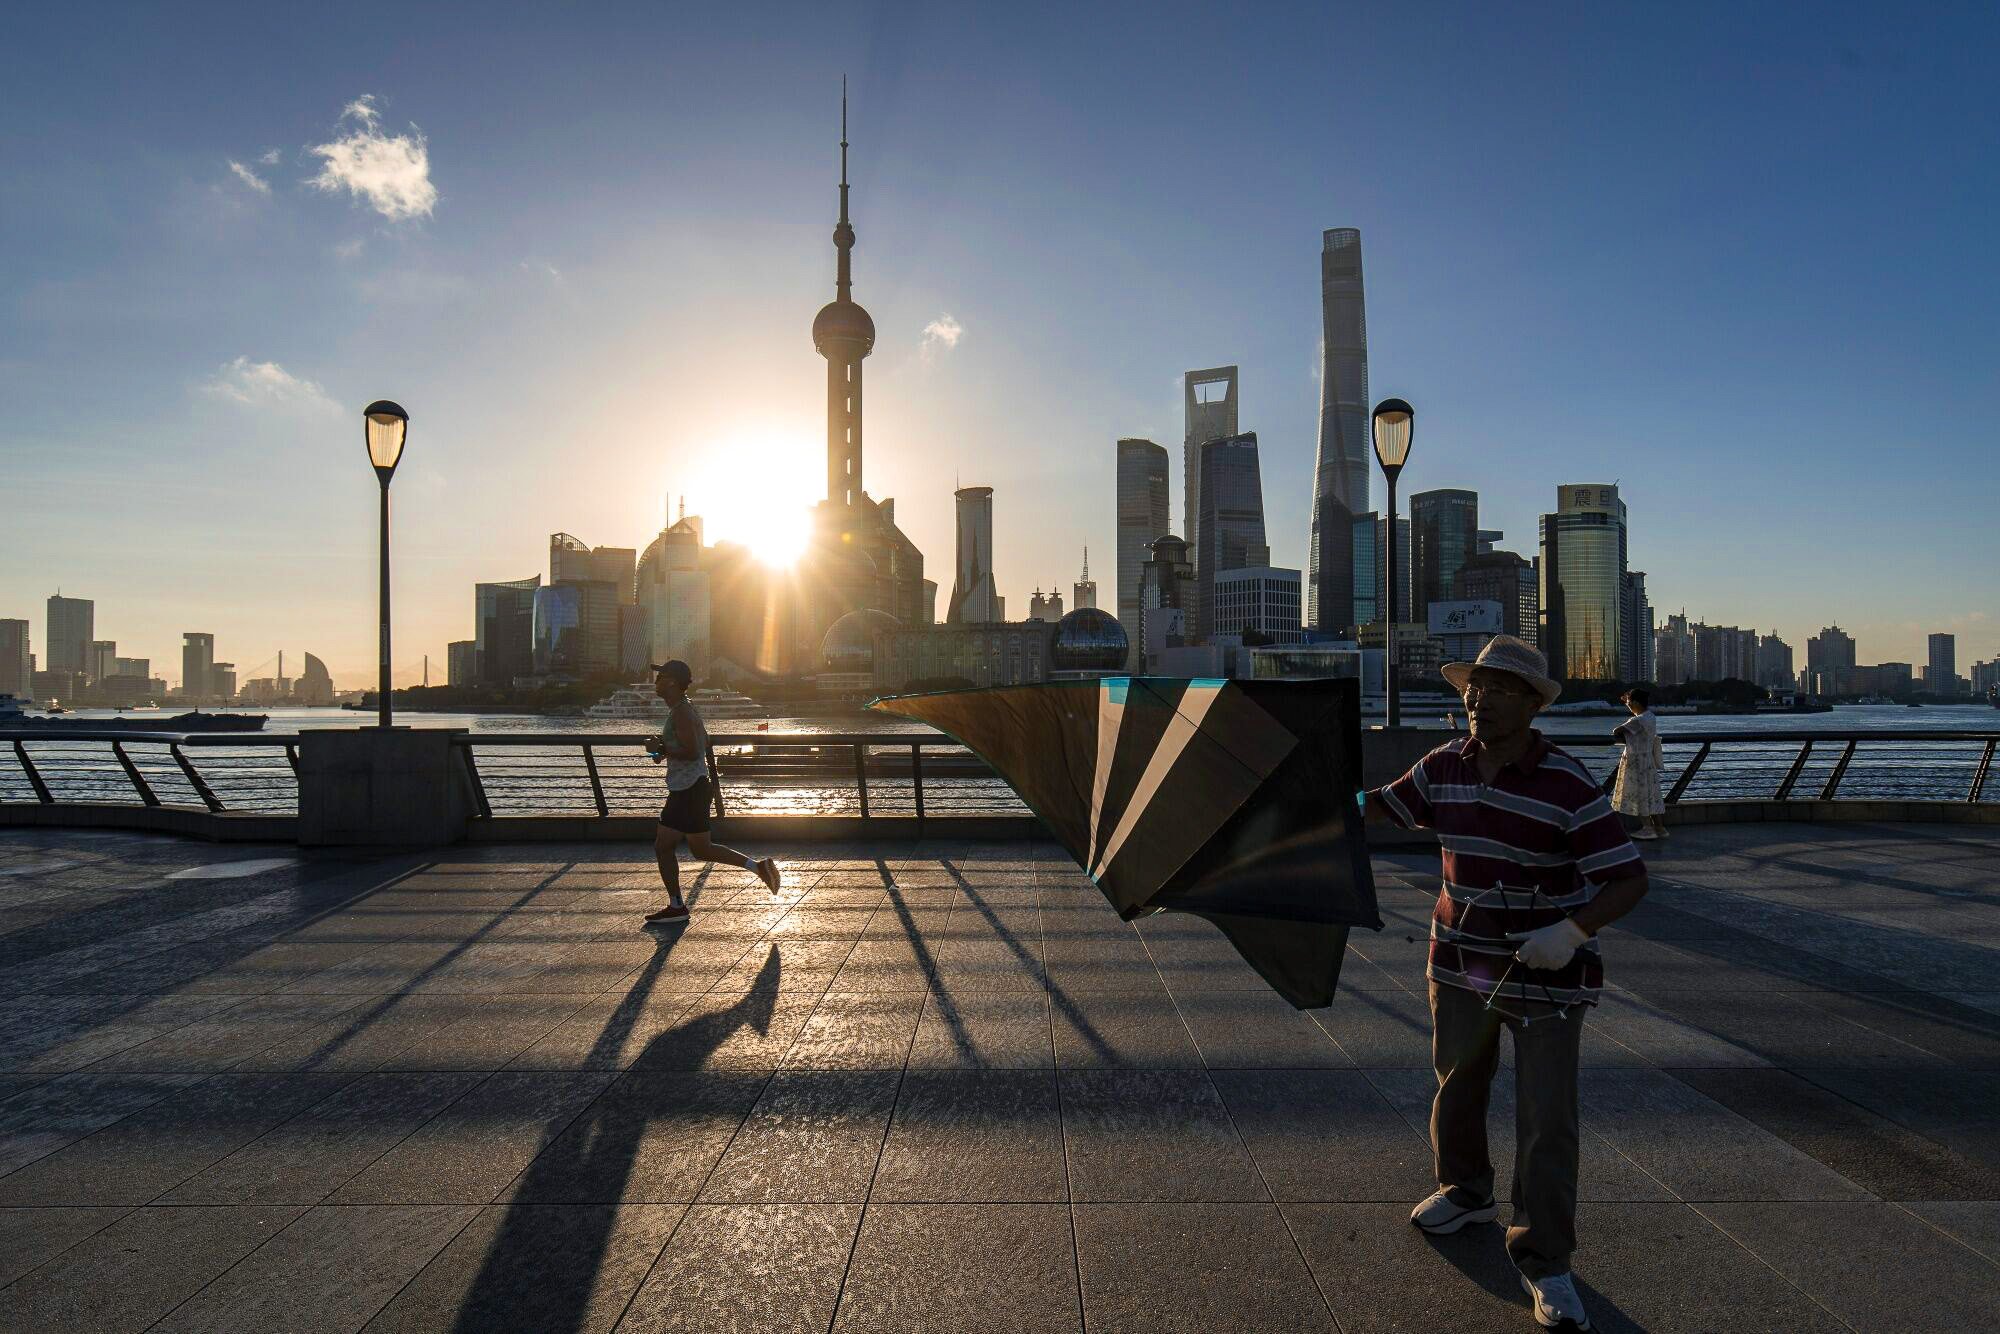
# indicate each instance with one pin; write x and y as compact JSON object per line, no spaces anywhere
{"x":271,"y":157}
{"x":265,"y":384}
{"x":541,"y":268}
{"x":944,"y":332}
{"x":391,"y":172}
{"x":249,"y":177}
{"x":350,"y":248}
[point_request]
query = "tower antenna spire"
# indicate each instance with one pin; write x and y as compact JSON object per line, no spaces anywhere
{"x":843,"y":233}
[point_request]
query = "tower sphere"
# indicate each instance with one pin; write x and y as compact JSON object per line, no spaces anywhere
{"x":843,"y":322}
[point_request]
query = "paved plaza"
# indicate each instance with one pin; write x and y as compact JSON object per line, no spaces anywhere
{"x":946,"y":1089}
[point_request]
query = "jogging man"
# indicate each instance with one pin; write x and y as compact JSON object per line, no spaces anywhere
{"x":683,"y":745}
{"x":1535,"y":865}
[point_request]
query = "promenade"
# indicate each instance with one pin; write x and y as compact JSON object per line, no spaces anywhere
{"x":947,"y":1089}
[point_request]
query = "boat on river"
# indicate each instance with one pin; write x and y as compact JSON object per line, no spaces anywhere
{"x":639,"y":703}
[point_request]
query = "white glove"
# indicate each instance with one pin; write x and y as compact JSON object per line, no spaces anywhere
{"x":1552,"y":946}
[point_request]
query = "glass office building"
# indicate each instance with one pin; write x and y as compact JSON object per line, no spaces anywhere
{"x":1444,"y":535}
{"x":1584,"y":589}
{"x":1340,"y":468}
{"x":1231,"y":523}
{"x":1142,"y":518}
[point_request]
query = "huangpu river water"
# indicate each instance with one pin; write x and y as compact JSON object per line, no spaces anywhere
{"x":521,"y":780}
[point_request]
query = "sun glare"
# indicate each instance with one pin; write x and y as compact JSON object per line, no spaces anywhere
{"x":757,"y":488}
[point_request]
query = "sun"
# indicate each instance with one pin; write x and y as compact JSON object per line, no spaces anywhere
{"x":756,"y":486}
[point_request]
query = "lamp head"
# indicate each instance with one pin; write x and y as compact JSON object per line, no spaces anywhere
{"x":1395,"y":423}
{"x":387,"y":426}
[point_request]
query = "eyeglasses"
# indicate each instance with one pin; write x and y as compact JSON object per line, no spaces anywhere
{"x":1474,"y":690}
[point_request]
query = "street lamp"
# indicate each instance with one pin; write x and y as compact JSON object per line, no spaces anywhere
{"x":1395,"y":422}
{"x":387,"y":426}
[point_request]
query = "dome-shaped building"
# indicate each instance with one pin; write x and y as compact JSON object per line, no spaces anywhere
{"x":849,"y":645}
{"x":1089,"y":640}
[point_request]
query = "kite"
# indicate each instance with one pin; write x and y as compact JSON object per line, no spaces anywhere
{"x":1231,"y":800}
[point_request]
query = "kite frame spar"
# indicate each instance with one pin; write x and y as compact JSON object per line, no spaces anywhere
{"x":1505,"y":945}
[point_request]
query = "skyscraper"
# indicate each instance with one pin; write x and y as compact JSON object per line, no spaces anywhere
{"x":572,"y":560}
{"x":1370,"y":567}
{"x":1209,"y":402}
{"x":103,"y":658}
{"x":1340,"y":470}
{"x":1164,"y":585}
{"x":197,"y":664}
{"x":1444,"y":535}
{"x":1142,"y":519}
{"x":1584,"y":592}
{"x":1828,"y":653}
{"x":1508,"y":579}
{"x":71,"y":625}
{"x":1635,"y":655}
{"x":503,"y":623}
{"x":1231,"y":520}
{"x":1943,"y":676}
{"x":858,"y":557}
{"x":1084,"y":591}
{"x":16,"y":659}
{"x":675,"y":597}
{"x":974,"y":600}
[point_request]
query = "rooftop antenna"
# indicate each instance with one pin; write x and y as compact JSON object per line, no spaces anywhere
{"x":1086,"y":565}
{"x":684,"y":505}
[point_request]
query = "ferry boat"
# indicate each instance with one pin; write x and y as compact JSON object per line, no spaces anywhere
{"x":11,"y":710}
{"x":639,"y":702}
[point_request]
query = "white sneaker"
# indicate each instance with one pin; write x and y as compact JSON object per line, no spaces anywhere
{"x":1441,"y":1216}
{"x":1557,"y":1305}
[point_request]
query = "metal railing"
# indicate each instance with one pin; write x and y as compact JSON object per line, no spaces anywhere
{"x":526,"y":774}
{"x":865,"y":774}
{"x":242,"y":773}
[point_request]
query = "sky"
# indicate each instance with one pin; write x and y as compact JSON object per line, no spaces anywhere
{"x":1737,"y":259}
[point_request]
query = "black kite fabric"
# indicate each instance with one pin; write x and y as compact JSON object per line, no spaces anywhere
{"x":1231,"y":800}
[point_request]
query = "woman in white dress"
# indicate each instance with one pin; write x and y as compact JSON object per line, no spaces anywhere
{"x":1638,"y":790}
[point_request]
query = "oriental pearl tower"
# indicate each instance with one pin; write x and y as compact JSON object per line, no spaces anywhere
{"x":860,"y":560}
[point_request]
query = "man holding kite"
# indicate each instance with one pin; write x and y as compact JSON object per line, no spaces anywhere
{"x":1535,"y":864}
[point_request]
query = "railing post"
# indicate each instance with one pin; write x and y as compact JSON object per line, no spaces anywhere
{"x":1798,"y":765}
{"x":1687,"y":774}
{"x":596,"y":786}
{"x":34,"y":775}
{"x":1979,"y":774}
{"x":715,"y":781}
{"x":292,"y":757}
{"x":201,"y":789}
{"x":861,"y":775}
{"x":471,"y":762}
{"x":1839,"y":772}
{"x":132,"y":772}
{"x":917,"y":780}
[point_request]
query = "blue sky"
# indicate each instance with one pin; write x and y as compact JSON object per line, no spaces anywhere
{"x":1739,"y":262}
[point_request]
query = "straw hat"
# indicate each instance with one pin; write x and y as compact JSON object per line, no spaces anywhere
{"x":1516,"y":657}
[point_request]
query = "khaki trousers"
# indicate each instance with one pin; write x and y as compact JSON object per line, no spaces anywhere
{"x":1465,"y":1050}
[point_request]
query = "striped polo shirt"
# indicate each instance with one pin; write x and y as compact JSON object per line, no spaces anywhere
{"x":1519,"y":853}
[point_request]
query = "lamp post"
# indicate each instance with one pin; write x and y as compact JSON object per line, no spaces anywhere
{"x":1395,"y":422}
{"x":386,"y":426}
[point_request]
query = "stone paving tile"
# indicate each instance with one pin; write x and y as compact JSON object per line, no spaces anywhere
{"x":313,"y":1154}
{"x":813,"y":1137}
{"x":1135,"y":1030}
{"x":1963,"y":1036}
{"x":997,"y":1269}
{"x":1326,"y":1135}
{"x":496,"y":1031}
{"x":1256,"y":1030}
{"x":1217,"y":1268}
{"x":975,"y":1136}
{"x":648,"y":1138}
{"x":331,"y":1269}
{"x":474,"y":1149}
{"x":43,"y":1118}
{"x":1789,"y":1030}
{"x":152,"y":1150}
{"x":132,"y":1273}
{"x":748,"y":1268}
{"x":1380,"y":1030}
{"x":1975,"y":1223}
{"x":1152,"y":1135}
{"x":1662,"y":1039}
{"x":857,"y":1031}
{"x":608,"y":1033}
{"x":1952,"y":1107}
{"x":1698,"y":1148}
{"x":31,"y":1237}
{"x":983,"y":1031}
{"x":535,"y":1267}
{"x":1886,"y":1159}
{"x":1938,"y":1283}
{"x":1633,"y":1267}
{"x":365,"y":1036}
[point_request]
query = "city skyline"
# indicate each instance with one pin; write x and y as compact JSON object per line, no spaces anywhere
{"x":233,"y":322}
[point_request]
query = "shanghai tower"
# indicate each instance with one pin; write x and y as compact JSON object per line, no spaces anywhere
{"x":1340,"y":472}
